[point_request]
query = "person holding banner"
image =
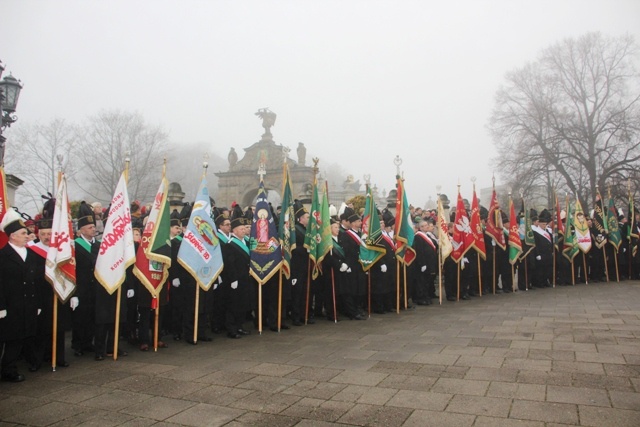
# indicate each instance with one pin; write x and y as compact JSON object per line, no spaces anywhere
{"x":20,"y":302}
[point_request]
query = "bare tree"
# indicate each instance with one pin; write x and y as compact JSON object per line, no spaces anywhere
{"x":107,"y":140}
{"x":572,"y":117}
{"x":33,"y":155}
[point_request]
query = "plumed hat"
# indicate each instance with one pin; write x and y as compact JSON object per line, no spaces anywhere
{"x":237,"y":217}
{"x":85,"y":215}
{"x":185,"y":214}
{"x":350,"y":215}
{"x":504,"y":217}
{"x":299,"y":209}
{"x":175,"y":218}
{"x":545,"y":216}
{"x":388,"y":219}
{"x":484,"y":213}
{"x":533,"y":214}
{"x":11,"y":222}
{"x":46,"y":220}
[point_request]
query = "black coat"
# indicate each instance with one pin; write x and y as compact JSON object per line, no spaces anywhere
{"x":357,"y":277}
{"x":18,"y":295}
{"x":236,"y":267}
{"x":45,"y":292}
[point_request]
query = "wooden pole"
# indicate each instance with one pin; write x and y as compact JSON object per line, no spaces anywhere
{"x":440,"y":275}
{"x":306,"y":307}
{"x":116,"y":331}
{"x":54,"y":343}
{"x":280,"y":300}
{"x":606,"y":267}
{"x":259,"y":309}
{"x":397,"y":286}
{"x":494,"y":271}
{"x":479,"y":276}
{"x":333,"y":292}
{"x":458,"y":299}
{"x":615,"y":258}
{"x":406,"y":297}
{"x":195,"y":314}
{"x":156,"y":324}
{"x":369,"y":293}
{"x":584,"y":266}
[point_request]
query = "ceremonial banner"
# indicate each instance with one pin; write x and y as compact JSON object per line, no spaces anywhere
{"x":476,"y":227}
{"x":558,"y":225}
{"x":615,"y":237}
{"x":494,"y":222}
{"x":462,"y":234}
{"x":600,"y":222}
{"x":287,"y":224}
{"x":320,"y":240}
{"x":583,"y":234}
{"x":152,"y":268}
{"x":515,"y":245}
{"x":631,"y":230}
{"x":200,"y":252}
{"x":403,"y":232}
{"x":4,"y":205}
{"x":370,"y":250}
{"x":570,"y":249}
{"x":526,"y":232}
{"x":60,"y":267}
{"x":117,"y":250}
{"x":264,"y":247}
{"x":444,"y":241}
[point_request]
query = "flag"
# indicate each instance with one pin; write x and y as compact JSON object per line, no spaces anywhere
{"x":494,"y":222}
{"x":60,"y":268}
{"x":4,"y":205}
{"x":403,"y":231}
{"x":615,"y":237}
{"x":200,"y":252}
{"x":444,"y":242}
{"x":117,"y":251}
{"x":312,"y":236}
{"x":515,"y":245}
{"x":152,"y":268}
{"x":287,"y":224}
{"x":558,"y":225}
{"x":462,"y":234}
{"x":476,"y":226}
{"x":600,"y":222}
{"x":631,"y":233}
{"x":371,"y":250}
{"x":570,"y":249}
{"x":583,"y":234}
{"x":323,"y":240}
{"x":264,"y":246}
{"x":527,"y":238}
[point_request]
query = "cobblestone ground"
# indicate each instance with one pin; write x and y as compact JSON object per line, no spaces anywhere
{"x":550,"y":357}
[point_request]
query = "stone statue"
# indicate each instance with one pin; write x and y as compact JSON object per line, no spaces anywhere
{"x":268,"y":119}
{"x":232,"y":157}
{"x":302,"y":154}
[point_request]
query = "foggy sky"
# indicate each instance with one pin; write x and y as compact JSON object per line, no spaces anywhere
{"x":358,"y":82}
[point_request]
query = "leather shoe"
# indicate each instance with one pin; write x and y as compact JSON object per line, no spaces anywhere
{"x":192,"y":342}
{"x":311,"y":321}
{"x":62,"y":365}
{"x":13,"y":378}
{"x":216,"y":330}
{"x":234,"y":336}
{"x":297,"y":323}
{"x":177,"y":337}
{"x":243,"y":332}
{"x":34,"y":367}
{"x":285,"y":326}
{"x":162,"y":344}
{"x":465,"y":297}
{"x":99,"y":357}
{"x":451,"y":299}
{"x":78,"y":353}
{"x":358,"y":317}
{"x":205,"y":339}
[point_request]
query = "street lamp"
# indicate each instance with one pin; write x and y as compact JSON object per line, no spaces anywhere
{"x":10,"y":88}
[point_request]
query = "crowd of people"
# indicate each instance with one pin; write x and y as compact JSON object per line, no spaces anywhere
{"x":343,"y":289}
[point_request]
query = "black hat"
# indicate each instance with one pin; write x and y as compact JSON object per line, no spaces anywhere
{"x":389,"y":220}
{"x":332,"y":220}
{"x":248,"y":216}
{"x":11,"y":222}
{"x":545,"y":216}
{"x":237,"y":217}
{"x":185,"y":213}
{"x":430,"y":220}
{"x":299,"y":209}
{"x":504,"y":216}
{"x":137,"y":223}
{"x":46,"y":220}
{"x":85,"y":215}
{"x":484,"y":213}
{"x":219,"y":217}
{"x":350,"y":215}
{"x":175,"y":218}
{"x":533,"y":214}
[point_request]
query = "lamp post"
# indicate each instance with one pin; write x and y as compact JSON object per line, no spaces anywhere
{"x":10,"y":88}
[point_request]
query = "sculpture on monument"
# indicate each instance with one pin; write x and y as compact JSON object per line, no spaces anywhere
{"x":232,"y":157}
{"x":268,"y":119}
{"x":302,"y":154}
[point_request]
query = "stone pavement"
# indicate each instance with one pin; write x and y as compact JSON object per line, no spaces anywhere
{"x":551,"y":357}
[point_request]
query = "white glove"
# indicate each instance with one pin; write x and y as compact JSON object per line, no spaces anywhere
{"x":293,"y":282}
{"x":130,"y":293}
{"x":39,"y":311}
{"x":343,"y":267}
{"x":215,"y":286}
{"x":220,"y":280}
{"x":383,"y":268}
{"x":348,"y":270}
{"x":234,"y":285}
{"x":423,"y":268}
{"x":493,"y":242}
{"x":3,"y":314}
{"x":74,"y":303}
{"x":465,"y":260}
{"x":538,"y":257}
{"x":175,"y":282}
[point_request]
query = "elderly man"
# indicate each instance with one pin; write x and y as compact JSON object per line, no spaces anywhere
{"x":19,"y":300}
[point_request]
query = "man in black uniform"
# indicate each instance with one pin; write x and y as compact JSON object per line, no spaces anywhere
{"x":543,"y":252}
{"x":299,"y":267}
{"x":19,"y":299}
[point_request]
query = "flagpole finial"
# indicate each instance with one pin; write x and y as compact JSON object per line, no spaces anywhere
{"x":315,"y":165}
{"x":521,"y":191}
{"x":438,"y":189}
{"x":127,"y":160}
{"x":164,"y":167}
{"x":397,"y":161}
{"x":285,"y":153}
{"x":205,"y":163}
{"x":262,"y":171}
